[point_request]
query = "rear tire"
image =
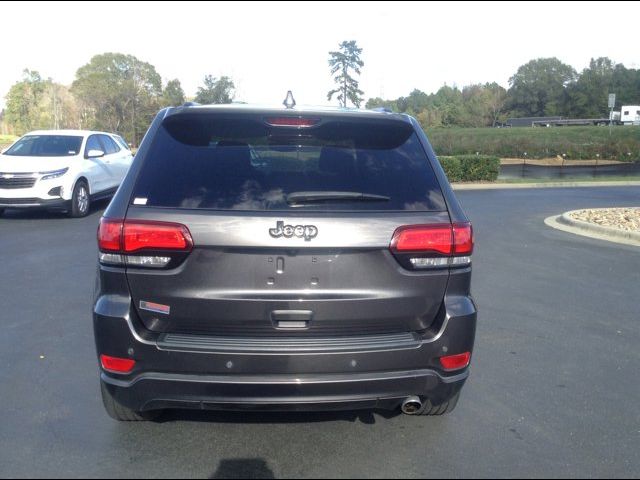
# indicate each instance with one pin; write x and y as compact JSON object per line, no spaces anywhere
{"x":121,"y":413}
{"x":443,"y":409}
{"x":80,"y":200}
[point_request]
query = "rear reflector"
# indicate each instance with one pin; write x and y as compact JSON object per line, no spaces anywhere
{"x":117,"y":365}
{"x":455,"y":362}
{"x":116,"y":236}
{"x":299,"y":122}
{"x":423,"y":238}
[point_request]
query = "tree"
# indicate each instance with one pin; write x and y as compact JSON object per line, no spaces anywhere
{"x":35,"y":103}
{"x":23,"y":100}
{"x":588,"y":96}
{"x":119,"y":93}
{"x":173,"y":95}
{"x":539,"y":88}
{"x":626,"y":85}
{"x":215,"y":90}
{"x":495,"y":98}
{"x":341,"y":62}
{"x":483,"y":105}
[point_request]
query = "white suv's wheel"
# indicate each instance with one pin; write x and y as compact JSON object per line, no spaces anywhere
{"x":80,"y":201}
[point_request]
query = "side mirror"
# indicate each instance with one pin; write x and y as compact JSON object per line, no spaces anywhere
{"x":95,"y":154}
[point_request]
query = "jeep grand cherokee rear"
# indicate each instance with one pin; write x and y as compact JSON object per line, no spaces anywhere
{"x":283,"y":259}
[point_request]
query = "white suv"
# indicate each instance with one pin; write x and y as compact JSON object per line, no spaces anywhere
{"x":62,"y":169}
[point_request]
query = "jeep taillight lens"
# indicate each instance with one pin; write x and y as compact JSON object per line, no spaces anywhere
{"x":143,"y":243}
{"x":433,"y":246}
{"x":462,"y":239}
{"x":428,"y":238}
{"x":110,"y":235}
{"x":155,"y":236}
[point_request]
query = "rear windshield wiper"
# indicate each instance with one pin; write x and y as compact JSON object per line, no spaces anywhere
{"x":309,"y":197}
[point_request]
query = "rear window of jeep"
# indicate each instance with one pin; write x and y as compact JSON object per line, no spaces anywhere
{"x":208,"y":162}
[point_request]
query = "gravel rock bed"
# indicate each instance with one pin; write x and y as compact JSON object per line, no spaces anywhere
{"x":625,"y":219}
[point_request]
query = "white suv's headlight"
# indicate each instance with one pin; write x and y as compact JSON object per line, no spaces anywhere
{"x":54,"y":174}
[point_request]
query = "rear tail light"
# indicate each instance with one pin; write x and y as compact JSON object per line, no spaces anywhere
{"x":433,"y":246}
{"x":155,"y":236}
{"x":117,"y":365}
{"x":455,"y":362}
{"x":121,"y":242}
{"x":428,"y":238}
{"x":462,"y":239}
{"x":298,"y":122}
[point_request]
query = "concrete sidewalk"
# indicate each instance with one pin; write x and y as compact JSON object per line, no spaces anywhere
{"x":494,"y":186}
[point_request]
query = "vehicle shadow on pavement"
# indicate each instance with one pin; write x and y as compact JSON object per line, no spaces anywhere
{"x":243,"y":468}
{"x":366,"y":417}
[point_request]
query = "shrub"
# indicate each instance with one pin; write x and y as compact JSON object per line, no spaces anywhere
{"x":471,"y":168}
{"x":578,"y":143}
{"x":452,"y":167}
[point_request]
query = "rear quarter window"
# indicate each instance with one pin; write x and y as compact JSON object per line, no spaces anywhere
{"x":204,"y":162}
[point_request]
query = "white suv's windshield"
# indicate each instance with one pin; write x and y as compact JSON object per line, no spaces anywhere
{"x":46,"y":146}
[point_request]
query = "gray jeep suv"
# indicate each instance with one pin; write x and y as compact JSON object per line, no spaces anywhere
{"x":283,"y":259}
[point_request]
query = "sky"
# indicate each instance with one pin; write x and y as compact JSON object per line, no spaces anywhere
{"x":271,"y":47}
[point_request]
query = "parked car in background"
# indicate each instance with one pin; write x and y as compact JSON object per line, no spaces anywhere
{"x":62,"y":169}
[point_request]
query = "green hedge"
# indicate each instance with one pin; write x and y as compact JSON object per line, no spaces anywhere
{"x":577,"y":143}
{"x":471,"y":168}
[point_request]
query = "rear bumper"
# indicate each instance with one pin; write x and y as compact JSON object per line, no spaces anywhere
{"x":34,"y":203}
{"x":205,"y":375}
{"x":383,"y":390}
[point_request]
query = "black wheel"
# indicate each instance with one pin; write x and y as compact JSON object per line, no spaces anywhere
{"x":80,"y":201}
{"x":121,"y":413}
{"x":1,"y":211}
{"x":443,"y":409}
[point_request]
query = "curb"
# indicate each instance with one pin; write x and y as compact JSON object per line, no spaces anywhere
{"x":567,"y":224}
{"x":495,"y":186}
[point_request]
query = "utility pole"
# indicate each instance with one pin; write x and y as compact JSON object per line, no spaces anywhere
{"x":612,"y":104}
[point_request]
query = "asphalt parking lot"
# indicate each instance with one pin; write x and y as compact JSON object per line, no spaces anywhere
{"x":554,"y":389}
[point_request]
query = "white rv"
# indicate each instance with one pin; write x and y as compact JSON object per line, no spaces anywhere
{"x":630,"y":115}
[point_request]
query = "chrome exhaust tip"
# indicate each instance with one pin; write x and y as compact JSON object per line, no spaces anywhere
{"x":411,"y":405}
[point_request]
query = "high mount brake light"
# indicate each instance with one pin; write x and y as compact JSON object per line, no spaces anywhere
{"x":433,"y":246}
{"x":299,"y":122}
